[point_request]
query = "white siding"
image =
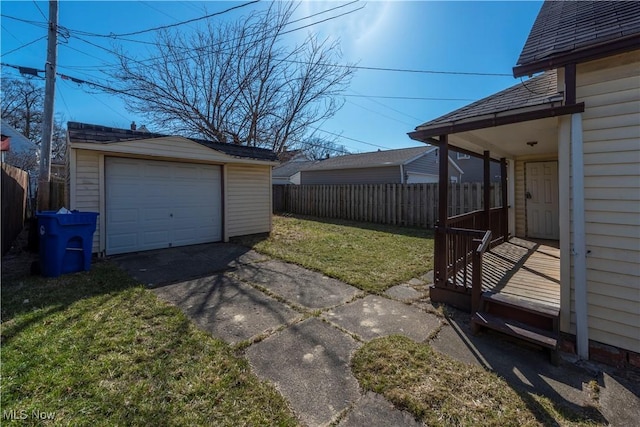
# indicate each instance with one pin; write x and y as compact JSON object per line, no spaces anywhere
{"x":248,"y":198}
{"x":87,"y":187}
{"x":166,"y":148}
{"x":610,"y":89}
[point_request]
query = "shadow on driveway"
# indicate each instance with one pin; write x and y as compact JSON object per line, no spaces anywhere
{"x":166,"y":266}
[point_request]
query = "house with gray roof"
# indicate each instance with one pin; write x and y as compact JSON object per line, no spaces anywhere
{"x":568,"y":140}
{"x":288,"y":172}
{"x":402,"y":166}
{"x":15,"y":142}
{"x":156,"y":191}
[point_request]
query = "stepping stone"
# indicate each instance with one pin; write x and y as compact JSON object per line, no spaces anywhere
{"x":375,"y":316}
{"x":403,"y":293}
{"x":309,"y":364}
{"x":227,"y":308}
{"x":297,"y":285}
{"x":373,"y":406}
{"x":427,"y":277}
{"x":416,"y":282}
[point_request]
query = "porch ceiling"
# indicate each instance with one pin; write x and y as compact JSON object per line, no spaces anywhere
{"x":511,"y":140}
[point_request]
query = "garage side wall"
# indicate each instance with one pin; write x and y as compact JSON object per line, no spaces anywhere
{"x":85,"y":186}
{"x":248,"y":198}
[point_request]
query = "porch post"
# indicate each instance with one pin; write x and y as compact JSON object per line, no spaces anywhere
{"x":504,"y":221}
{"x":579,"y":237}
{"x":487,"y":190}
{"x":443,"y":208}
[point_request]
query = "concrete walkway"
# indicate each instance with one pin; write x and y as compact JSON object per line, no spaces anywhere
{"x":301,"y":328}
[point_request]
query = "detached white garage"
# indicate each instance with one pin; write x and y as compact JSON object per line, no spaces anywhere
{"x":156,"y":191}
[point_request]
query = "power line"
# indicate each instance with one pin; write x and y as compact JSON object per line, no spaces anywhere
{"x":67,"y":78}
{"x":40,"y":10}
{"x":349,"y":138}
{"x":9,"y":32}
{"x":380,"y":114}
{"x":39,"y":24}
{"x":409,"y":98}
{"x":24,"y":45}
{"x":324,"y":20}
{"x":163,"y":27}
{"x":203,"y":51}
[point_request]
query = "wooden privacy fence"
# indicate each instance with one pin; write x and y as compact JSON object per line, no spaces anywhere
{"x":57,"y":194}
{"x":395,"y":204}
{"x":14,"y":202}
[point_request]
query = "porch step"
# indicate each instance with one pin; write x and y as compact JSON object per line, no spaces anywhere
{"x":546,"y":339}
{"x":521,"y":305}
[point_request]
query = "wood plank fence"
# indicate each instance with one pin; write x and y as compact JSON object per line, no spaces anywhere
{"x":14,"y":202}
{"x":57,"y":193}
{"x":395,"y":204}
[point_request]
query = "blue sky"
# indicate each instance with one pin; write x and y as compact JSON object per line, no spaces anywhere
{"x":452,"y":36}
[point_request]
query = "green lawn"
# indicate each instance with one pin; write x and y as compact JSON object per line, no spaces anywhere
{"x":98,"y":349}
{"x":441,"y":391}
{"x":370,"y":256}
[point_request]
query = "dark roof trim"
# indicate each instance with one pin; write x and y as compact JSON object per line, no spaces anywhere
{"x":591,"y":53}
{"x":482,"y":123}
{"x":97,"y":134}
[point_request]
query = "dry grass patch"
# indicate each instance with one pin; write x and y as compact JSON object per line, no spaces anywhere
{"x":97,"y":348}
{"x":441,"y":391}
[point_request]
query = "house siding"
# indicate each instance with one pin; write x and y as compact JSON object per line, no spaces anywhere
{"x":248,"y":199}
{"x":610,"y":89}
{"x":380,"y":175}
{"x":87,"y":187}
{"x":426,"y":164}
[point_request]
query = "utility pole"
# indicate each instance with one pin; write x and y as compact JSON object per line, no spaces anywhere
{"x":47,"y":121}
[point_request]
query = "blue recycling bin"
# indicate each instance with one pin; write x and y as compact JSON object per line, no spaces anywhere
{"x":65,"y":241}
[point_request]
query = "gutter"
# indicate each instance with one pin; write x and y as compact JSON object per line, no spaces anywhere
{"x":590,"y":53}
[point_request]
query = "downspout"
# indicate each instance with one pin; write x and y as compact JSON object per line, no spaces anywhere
{"x":402,"y":181}
{"x":579,"y":237}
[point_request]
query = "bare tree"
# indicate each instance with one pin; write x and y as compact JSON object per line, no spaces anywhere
{"x":318,"y":149}
{"x":237,"y":82}
{"x":22,"y":107}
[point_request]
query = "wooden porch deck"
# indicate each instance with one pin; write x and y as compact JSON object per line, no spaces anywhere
{"x":523,"y":269}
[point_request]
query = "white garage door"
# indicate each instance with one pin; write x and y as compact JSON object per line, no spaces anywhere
{"x":153,"y":204}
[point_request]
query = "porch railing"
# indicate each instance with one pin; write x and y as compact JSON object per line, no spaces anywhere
{"x":459,"y":250}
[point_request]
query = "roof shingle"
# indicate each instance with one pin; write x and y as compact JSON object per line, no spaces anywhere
{"x":369,"y":160}
{"x":566,"y":26}
{"x":536,"y":91}
{"x":82,"y":132}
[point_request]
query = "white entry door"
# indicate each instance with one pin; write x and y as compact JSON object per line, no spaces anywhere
{"x":541,"y":192}
{"x":154,"y":204}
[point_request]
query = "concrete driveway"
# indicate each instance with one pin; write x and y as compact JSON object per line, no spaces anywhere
{"x":300,"y":329}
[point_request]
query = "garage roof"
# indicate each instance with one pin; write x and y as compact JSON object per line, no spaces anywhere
{"x":83,"y":132}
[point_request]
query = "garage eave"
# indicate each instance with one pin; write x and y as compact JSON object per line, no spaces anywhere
{"x":174,"y":148}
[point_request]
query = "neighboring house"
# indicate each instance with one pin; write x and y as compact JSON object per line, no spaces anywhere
{"x":288,"y":172}
{"x":21,"y":152}
{"x":16,"y":143}
{"x":156,"y":191}
{"x":402,"y":166}
{"x":473,"y":168}
{"x":570,"y":138}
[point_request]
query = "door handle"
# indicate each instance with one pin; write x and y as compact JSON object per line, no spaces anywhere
{"x":528,"y":195}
